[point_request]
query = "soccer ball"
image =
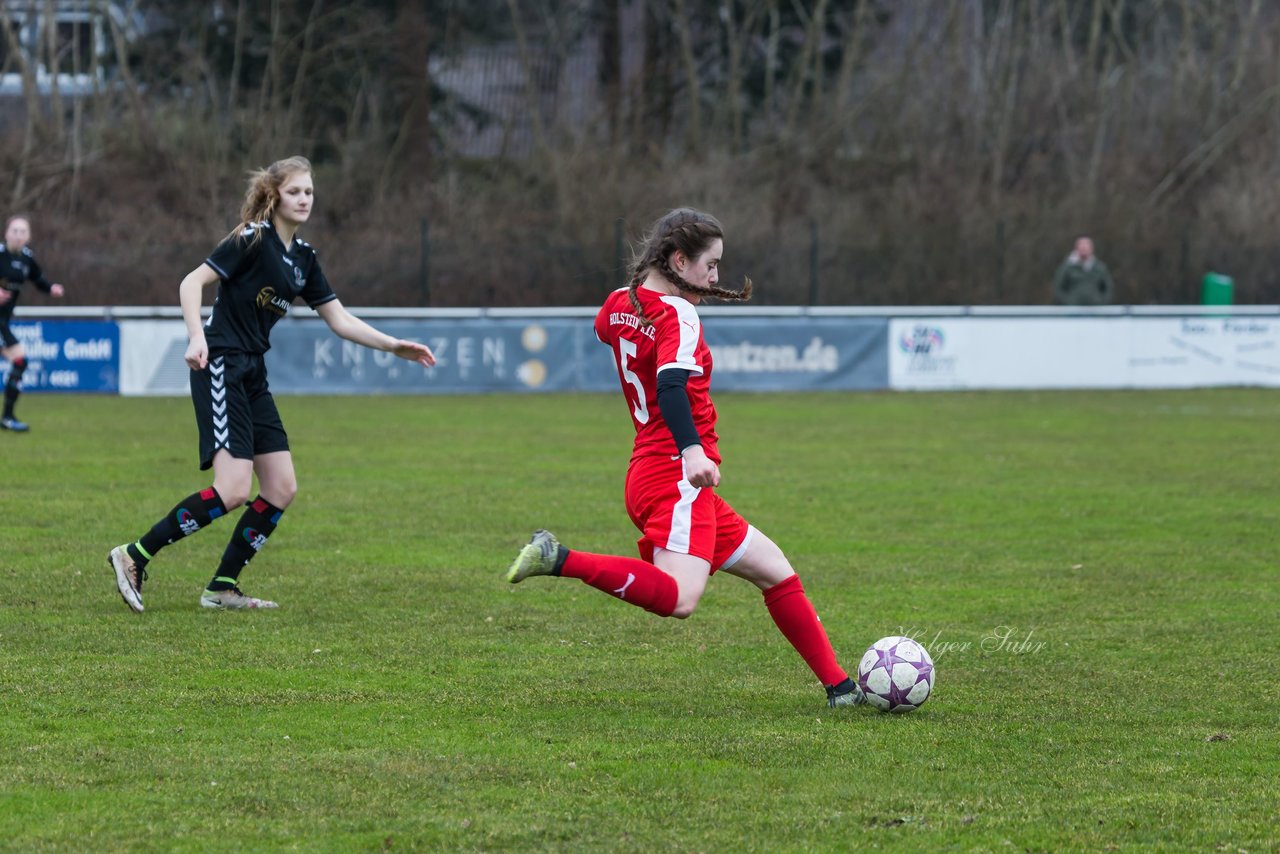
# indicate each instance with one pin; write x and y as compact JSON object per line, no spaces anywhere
{"x":896,"y":674}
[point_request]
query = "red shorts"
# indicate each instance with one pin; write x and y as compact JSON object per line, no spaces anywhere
{"x":674,"y":515}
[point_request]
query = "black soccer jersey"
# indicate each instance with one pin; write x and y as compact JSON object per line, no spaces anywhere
{"x":17,"y":268}
{"x":260,"y":281}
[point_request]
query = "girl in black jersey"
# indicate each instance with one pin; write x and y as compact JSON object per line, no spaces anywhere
{"x":17,"y":267}
{"x":260,"y":268}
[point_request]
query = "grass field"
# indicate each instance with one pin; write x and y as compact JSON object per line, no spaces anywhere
{"x":1094,"y":572}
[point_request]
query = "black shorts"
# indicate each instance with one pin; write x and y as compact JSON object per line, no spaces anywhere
{"x":234,"y":408}
{"x":7,"y":338}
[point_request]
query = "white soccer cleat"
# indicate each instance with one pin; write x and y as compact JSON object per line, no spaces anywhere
{"x":847,"y":693}
{"x":129,"y":577}
{"x":233,"y":600}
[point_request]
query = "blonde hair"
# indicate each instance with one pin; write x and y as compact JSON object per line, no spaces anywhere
{"x":264,"y":191}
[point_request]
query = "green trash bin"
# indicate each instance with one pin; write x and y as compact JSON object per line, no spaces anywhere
{"x":1217,"y":289}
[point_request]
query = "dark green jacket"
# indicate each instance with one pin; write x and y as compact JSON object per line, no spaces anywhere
{"x":1083,"y":284}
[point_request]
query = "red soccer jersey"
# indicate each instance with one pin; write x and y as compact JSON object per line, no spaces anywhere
{"x":673,"y":342}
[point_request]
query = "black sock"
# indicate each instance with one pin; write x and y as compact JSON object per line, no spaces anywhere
{"x":190,"y":515}
{"x":13,"y":385}
{"x":255,"y":525}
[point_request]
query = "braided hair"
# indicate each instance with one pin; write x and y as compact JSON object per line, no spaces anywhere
{"x":685,"y":230}
{"x":264,"y":192}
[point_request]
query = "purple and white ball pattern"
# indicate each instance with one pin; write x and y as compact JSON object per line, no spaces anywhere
{"x":896,"y":674}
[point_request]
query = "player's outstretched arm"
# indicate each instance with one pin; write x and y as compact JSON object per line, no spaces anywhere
{"x":53,"y":289}
{"x":346,"y":325}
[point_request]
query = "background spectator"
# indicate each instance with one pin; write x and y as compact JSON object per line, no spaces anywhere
{"x":1082,"y":279}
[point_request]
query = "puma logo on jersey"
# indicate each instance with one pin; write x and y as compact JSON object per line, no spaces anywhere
{"x":692,"y":326}
{"x":622,"y":591}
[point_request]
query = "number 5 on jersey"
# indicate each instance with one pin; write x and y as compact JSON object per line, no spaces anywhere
{"x":626,"y":351}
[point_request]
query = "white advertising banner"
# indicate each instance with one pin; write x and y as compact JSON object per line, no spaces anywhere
{"x":928,"y":353}
{"x":151,"y":357}
{"x":1204,"y":351}
{"x":1082,"y":352}
{"x":1007,"y":352}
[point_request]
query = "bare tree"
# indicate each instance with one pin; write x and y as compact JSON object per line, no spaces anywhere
{"x":945,"y":151}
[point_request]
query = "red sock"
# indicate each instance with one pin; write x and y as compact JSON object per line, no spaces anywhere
{"x":794,"y":615}
{"x":629,"y":579}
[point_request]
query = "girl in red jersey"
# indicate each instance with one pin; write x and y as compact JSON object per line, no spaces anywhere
{"x":688,"y":531}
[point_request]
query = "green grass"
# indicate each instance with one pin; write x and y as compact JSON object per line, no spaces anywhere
{"x":405,"y":697}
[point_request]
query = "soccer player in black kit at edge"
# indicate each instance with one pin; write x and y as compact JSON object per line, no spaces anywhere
{"x":261,"y":268}
{"x":17,"y":266}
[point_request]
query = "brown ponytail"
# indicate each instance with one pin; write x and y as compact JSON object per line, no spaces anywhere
{"x":685,"y":230}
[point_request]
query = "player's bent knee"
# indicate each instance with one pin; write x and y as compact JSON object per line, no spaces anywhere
{"x":232,"y":496}
{"x":280,"y":495}
{"x":774,"y":574}
{"x":686,"y":604}
{"x":684,"y":610}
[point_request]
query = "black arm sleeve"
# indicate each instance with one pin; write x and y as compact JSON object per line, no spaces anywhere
{"x":673,"y":401}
